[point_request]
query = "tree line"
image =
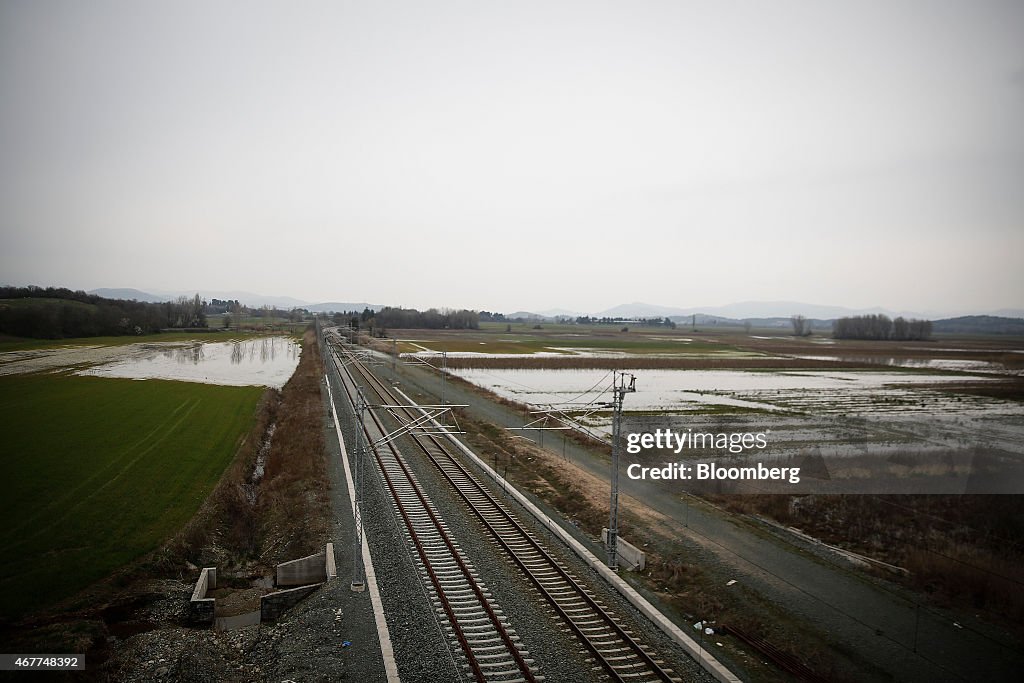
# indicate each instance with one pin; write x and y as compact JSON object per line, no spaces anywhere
{"x":377,"y":322}
{"x":643,"y":322}
{"x":880,"y":327}
{"x":59,"y":313}
{"x":431,"y":319}
{"x":489,"y":317}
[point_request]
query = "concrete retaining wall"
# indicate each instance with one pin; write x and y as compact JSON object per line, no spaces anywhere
{"x":272,"y":606}
{"x":306,"y":570}
{"x":308,"y":573}
{"x":630,"y":557}
{"x":201,"y":608}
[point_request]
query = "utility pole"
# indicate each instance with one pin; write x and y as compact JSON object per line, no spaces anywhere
{"x":619,"y":391}
{"x":444,"y":371}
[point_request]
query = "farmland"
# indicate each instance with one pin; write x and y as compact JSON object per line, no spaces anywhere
{"x":836,"y":397}
{"x":103,"y":470}
{"x":551,"y":346}
{"x":917,"y":412}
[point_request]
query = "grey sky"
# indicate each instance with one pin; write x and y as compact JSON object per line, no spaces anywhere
{"x":507,"y":155}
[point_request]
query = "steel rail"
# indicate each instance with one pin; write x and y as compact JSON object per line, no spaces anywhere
{"x":611,"y":658}
{"x":408,"y":481}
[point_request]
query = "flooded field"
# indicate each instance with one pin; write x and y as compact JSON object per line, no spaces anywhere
{"x":682,"y":390}
{"x":603,"y":347}
{"x":948,"y":364}
{"x":836,"y":412}
{"x":261,"y":361}
{"x":816,"y":394}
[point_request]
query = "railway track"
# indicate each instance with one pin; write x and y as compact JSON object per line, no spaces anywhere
{"x":614,"y":649}
{"x":490,"y":648}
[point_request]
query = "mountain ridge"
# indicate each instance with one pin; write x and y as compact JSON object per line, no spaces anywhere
{"x":750,"y":309}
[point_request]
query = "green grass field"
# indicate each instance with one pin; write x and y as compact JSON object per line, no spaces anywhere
{"x":101,"y":471}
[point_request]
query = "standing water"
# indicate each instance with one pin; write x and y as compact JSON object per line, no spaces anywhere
{"x":262,"y":361}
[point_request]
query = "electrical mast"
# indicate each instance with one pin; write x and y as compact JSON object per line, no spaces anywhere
{"x":619,"y":390}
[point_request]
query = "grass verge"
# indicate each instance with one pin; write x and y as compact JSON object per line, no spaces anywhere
{"x":245,"y":526}
{"x":102,"y":471}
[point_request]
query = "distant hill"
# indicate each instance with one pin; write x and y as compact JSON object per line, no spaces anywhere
{"x":979,"y":324}
{"x":780,"y":322}
{"x":748,"y":309}
{"x":1007,"y":313}
{"x":968,"y":324}
{"x":639,"y":309}
{"x":559,"y":313}
{"x":340,"y":306}
{"x":527,"y":315}
{"x":785,"y":309}
{"x":129,"y":294}
{"x":245,"y":298}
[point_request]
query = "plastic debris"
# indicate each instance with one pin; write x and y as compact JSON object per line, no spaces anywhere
{"x":346,"y":643}
{"x":698,"y":626}
{"x":709,"y":631}
{"x":731,"y":582}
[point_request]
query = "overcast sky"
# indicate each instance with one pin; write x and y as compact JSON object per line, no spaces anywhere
{"x":518,"y":155}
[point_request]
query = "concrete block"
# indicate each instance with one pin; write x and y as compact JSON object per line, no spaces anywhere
{"x":332,"y":568}
{"x":303,"y":571}
{"x":274,"y":605}
{"x":630,"y":557}
{"x":201,"y":608}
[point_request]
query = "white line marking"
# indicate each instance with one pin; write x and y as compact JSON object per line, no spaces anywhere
{"x":390,"y":666}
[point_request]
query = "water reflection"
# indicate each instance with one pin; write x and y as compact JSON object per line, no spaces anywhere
{"x":267,"y":348}
{"x":267,"y":361}
{"x":191,"y":354}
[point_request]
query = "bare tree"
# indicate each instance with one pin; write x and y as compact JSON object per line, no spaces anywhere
{"x":801,"y":328}
{"x":197,"y":317}
{"x":880,"y":327}
{"x":900,"y":329}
